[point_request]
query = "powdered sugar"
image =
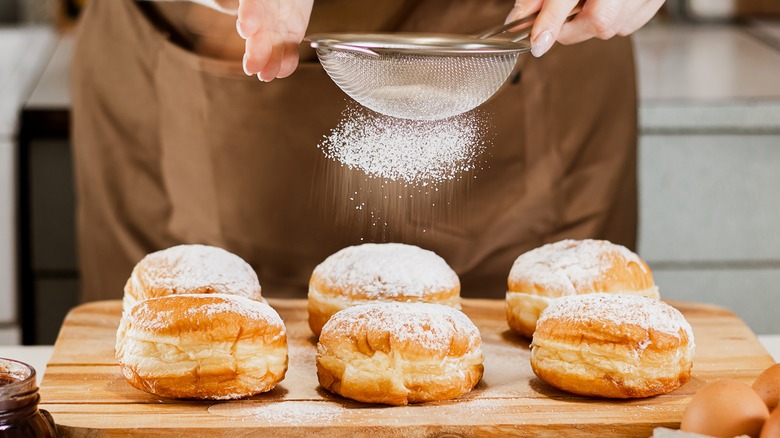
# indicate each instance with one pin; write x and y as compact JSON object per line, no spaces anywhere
{"x":159,"y":313}
{"x":569,"y":265}
{"x":186,"y":268}
{"x":230,"y":304}
{"x":298,"y":412}
{"x":387,"y":270}
{"x":647,"y":313}
{"x":431,"y":326}
{"x":147,"y":319}
{"x":417,"y":152}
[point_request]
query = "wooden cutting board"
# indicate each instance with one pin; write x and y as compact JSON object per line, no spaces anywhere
{"x":85,"y":392}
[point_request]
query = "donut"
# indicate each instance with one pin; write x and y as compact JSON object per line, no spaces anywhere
{"x":571,"y":267}
{"x":611,"y":345}
{"x":202,"y":346}
{"x":190,"y":269}
{"x":379,"y":272}
{"x":399,"y":353}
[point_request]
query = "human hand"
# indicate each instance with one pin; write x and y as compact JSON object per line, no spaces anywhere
{"x":601,"y":19}
{"x":273,"y":29}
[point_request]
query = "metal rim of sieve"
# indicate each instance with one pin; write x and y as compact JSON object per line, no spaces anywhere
{"x":415,"y":43}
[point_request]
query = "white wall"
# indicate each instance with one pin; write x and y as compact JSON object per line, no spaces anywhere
{"x":24,"y":52}
{"x":710,"y":221}
{"x":7,"y":235}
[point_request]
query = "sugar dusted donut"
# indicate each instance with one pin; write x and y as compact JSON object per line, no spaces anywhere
{"x":608,"y":345}
{"x":571,"y":267}
{"x":202,"y":346}
{"x":190,"y":269}
{"x":379,"y":272}
{"x":399,"y":353}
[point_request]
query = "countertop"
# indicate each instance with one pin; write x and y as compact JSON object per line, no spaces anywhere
{"x":709,"y":78}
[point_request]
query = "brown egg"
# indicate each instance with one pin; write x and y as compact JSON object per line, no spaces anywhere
{"x":725,"y":408}
{"x":767,"y":385}
{"x":772,"y":426}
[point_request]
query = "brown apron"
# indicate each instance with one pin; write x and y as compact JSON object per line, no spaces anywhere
{"x":173,"y":145}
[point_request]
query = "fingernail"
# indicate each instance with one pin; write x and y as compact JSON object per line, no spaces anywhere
{"x":243,"y":64}
{"x":239,"y":30}
{"x":542,"y":43}
{"x":260,"y":76}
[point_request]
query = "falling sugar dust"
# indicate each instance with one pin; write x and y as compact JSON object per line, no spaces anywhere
{"x":416,"y":152}
{"x":401,"y":179}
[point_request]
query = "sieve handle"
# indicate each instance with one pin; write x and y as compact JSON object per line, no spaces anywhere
{"x":497,"y":30}
{"x":493,"y":31}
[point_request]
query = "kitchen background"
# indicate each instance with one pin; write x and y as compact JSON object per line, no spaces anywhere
{"x":709,"y":84}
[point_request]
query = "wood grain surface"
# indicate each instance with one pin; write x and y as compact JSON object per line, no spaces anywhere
{"x":85,"y":392}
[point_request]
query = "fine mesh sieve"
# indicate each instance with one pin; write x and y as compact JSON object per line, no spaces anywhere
{"x":410,"y":82}
{"x":422,"y":76}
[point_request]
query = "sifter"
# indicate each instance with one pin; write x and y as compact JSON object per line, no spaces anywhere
{"x":422,"y":76}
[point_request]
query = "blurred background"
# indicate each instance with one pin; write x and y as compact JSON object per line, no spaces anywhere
{"x":709,"y":85}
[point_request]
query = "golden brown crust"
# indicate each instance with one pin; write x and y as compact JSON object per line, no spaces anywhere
{"x":522,"y":311}
{"x":379,"y":272}
{"x":620,"y":274}
{"x":213,"y":346}
{"x":320,"y":311}
{"x":395,"y":353}
{"x":590,"y":355}
{"x":321,"y":307}
{"x":190,"y":269}
{"x":571,"y":267}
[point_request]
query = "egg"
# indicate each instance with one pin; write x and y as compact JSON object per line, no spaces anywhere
{"x":772,"y":426}
{"x":725,"y":408}
{"x":767,"y":385}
